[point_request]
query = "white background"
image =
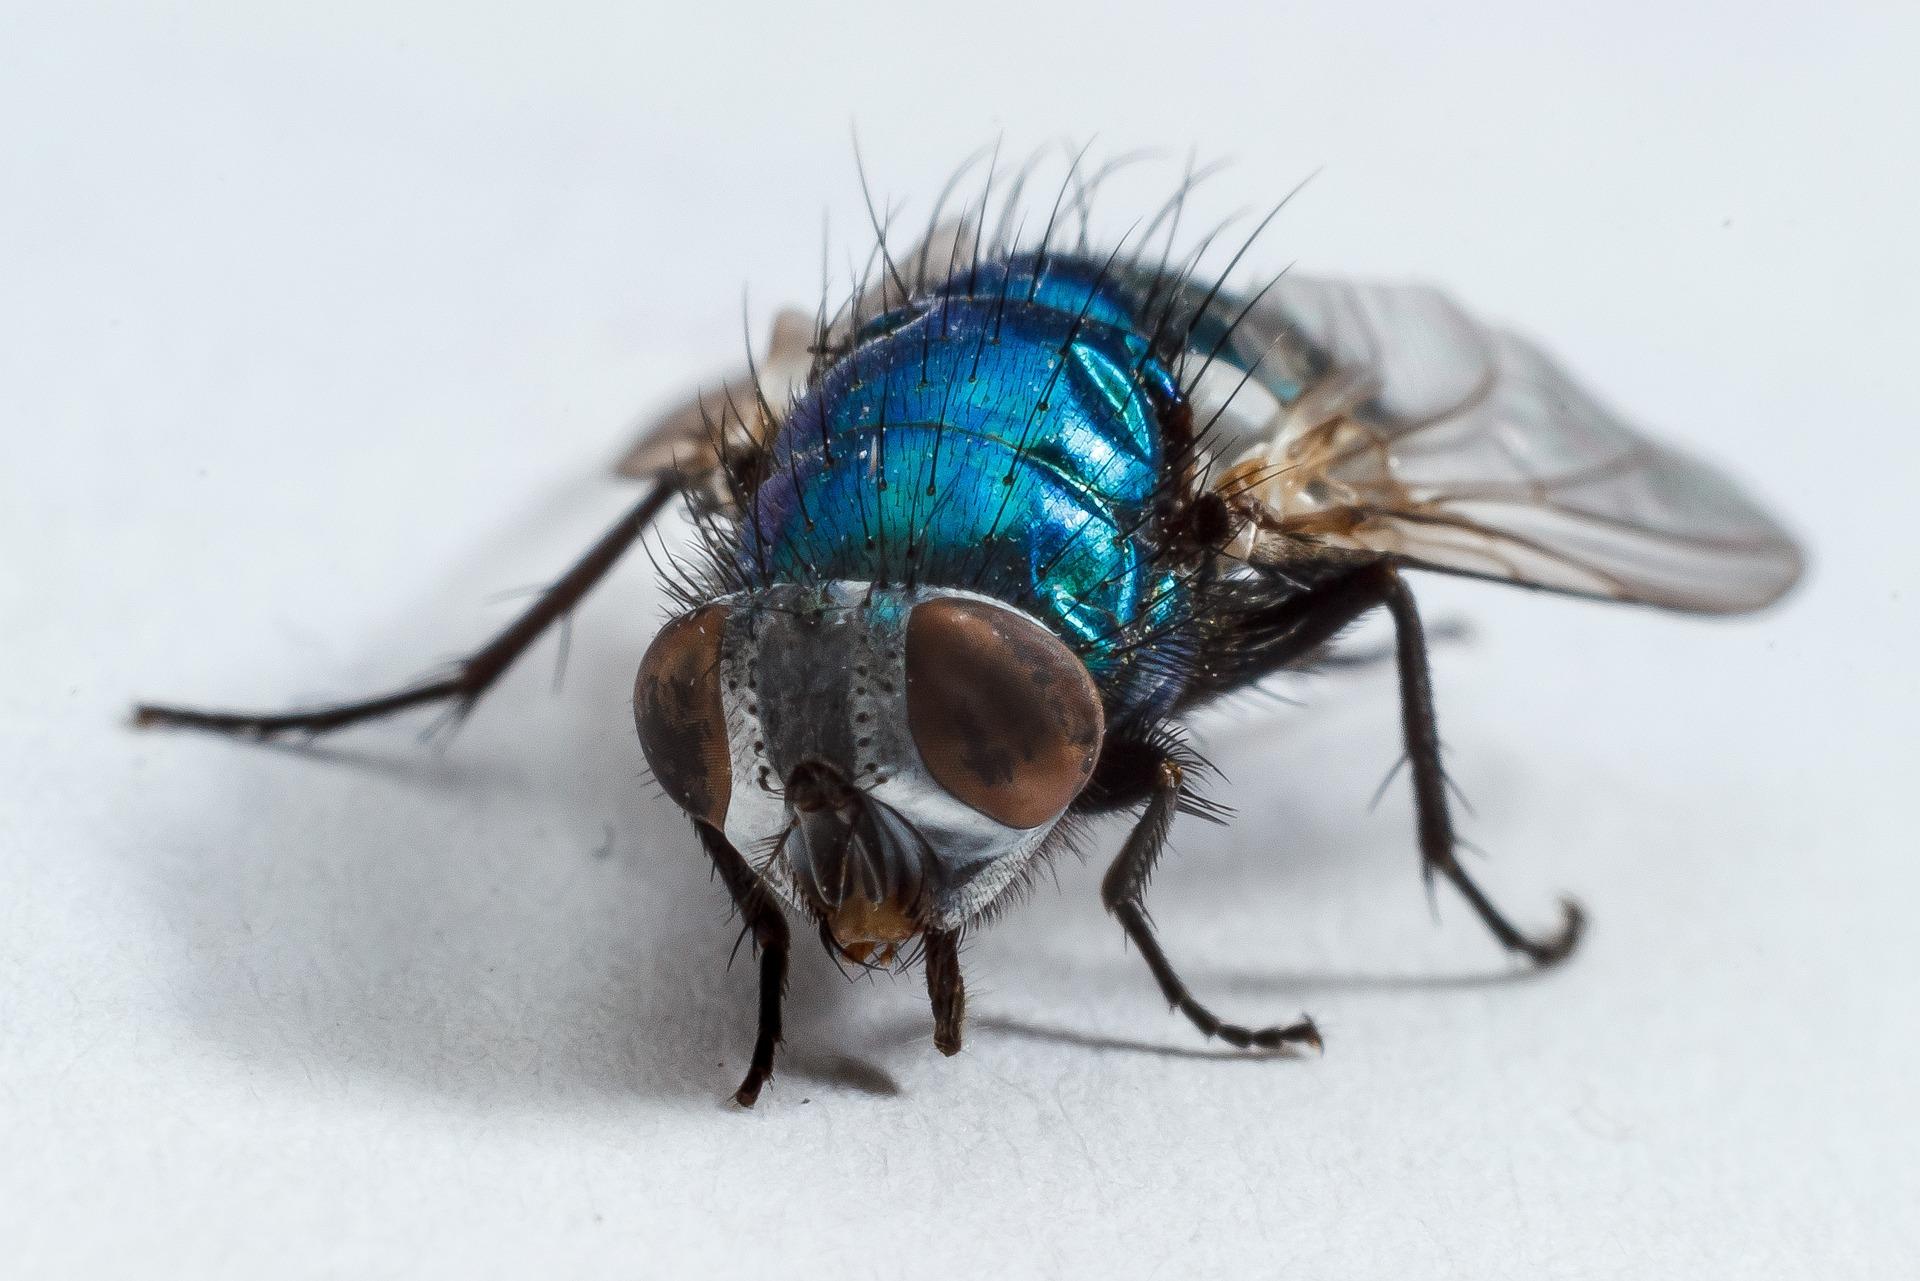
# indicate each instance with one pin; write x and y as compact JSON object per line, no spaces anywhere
{"x":317,"y":327}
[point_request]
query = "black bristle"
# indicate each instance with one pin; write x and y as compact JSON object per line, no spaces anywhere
{"x":1194,"y":604}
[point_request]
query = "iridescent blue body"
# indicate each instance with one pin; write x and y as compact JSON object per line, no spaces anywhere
{"x":968,"y":562}
{"x":1003,"y":433}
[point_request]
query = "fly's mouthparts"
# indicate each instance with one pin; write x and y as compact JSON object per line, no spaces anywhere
{"x":871,"y":933}
{"x":815,"y":785}
{"x":863,"y":880}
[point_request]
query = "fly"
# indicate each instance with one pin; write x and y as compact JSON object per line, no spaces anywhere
{"x":973,"y":547}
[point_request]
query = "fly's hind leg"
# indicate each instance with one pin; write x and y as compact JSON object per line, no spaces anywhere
{"x":1444,"y":631}
{"x":1300,"y":625}
{"x":1156,"y":771}
{"x":470,"y":678}
{"x":1439,"y":847}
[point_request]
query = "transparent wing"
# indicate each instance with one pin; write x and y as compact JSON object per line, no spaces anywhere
{"x":1397,"y":423}
{"x":731,"y":415}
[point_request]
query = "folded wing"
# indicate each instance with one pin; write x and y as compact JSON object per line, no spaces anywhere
{"x":1401,"y":425}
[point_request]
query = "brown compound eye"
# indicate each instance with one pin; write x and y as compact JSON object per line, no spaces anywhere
{"x":676,"y":704}
{"x":1005,"y":716}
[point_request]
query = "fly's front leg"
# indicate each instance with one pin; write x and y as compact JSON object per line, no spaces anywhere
{"x":946,"y":989}
{"x":1156,"y":769}
{"x":469,"y":680}
{"x":1439,"y":848}
{"x":762,"y":918}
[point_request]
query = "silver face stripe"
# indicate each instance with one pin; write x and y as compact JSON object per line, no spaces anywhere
{"x":821,"y":671}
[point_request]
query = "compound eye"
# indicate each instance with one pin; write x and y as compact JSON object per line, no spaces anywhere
{"x":683,"y":727}
{"x":1006,"y":717}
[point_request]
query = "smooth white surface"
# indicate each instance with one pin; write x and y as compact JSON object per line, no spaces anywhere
{"x":317,"y":326}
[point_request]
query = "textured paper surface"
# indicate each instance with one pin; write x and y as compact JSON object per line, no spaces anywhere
{"x":318,"y":334}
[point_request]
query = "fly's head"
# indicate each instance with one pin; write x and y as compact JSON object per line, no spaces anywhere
{"x":888,"y":759}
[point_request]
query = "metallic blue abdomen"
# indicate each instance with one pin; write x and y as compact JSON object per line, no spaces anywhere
{"x":1000,"y":435}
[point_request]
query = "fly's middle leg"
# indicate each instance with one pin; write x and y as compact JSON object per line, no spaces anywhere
{"x":471,"y":678}
{"x":1157,"y":769}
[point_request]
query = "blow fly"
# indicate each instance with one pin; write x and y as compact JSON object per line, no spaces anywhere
{"x":976,"y":543}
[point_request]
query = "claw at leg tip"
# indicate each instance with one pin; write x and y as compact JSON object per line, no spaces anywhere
{"x":1573,"y":924}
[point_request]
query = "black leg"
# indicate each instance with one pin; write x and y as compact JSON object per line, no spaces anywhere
{"x":1439,"y":848}
{"x":946,"y":989}
{"x":1126,"y":881}
{"x":469,"y":680}
{"x":1299,"y":625}
{"x":761,"y":915}
{"x":1446,"y":630}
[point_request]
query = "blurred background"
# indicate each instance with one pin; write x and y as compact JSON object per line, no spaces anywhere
{"x":319,"y":327}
